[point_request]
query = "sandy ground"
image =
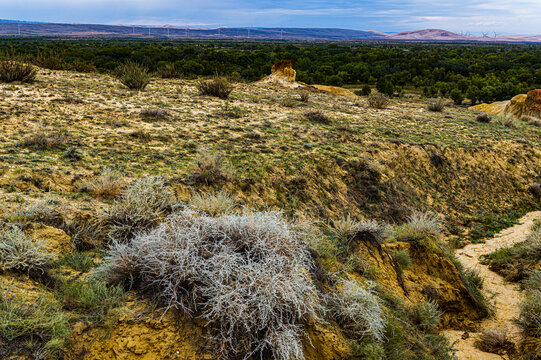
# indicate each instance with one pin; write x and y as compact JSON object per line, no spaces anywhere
{"x":505,"y":295}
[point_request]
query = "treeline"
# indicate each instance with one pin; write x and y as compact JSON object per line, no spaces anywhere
{"x":478,"y":72}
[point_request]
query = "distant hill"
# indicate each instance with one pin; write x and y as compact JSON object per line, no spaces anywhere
{"x":428,"y":35}
{"x":23,"y":28}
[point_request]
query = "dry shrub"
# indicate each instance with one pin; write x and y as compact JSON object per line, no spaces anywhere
{"x":210,"y":168}
{"x":507,"y":121}
{"x":436,"y":105}
{"x":218,"y":87}
{"x":420,"y":226}
{"x":12,"y":70}
{"x":358,"y":309}
{"x":42,"y":212}
{"x":43,"y":140}
{"x":142,"y":205}
{"x":134,"y":76}
{"x":304,"y":96}
{"x":317,"y":117}
{"x":107,"y":185}
{"x":495,"y":341}
{"x":378,"y":100}
{"x":153,"y":114}
{"x":484,"y":118}
{"x":20,"y":252}
{"x":247,"y":274}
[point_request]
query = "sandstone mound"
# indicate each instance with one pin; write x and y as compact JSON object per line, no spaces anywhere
{"x":496,"y":108}
{"x":283,"y":74}
{"x":520,"y":105}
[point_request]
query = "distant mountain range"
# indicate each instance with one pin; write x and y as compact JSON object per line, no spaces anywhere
{"x":22,"y":28}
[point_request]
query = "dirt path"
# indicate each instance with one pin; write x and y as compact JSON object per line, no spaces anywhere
{"x":504,"y":295}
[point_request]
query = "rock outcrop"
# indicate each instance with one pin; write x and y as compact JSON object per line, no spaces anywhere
{"x":283,"y":74}
{"x":520,"y":105}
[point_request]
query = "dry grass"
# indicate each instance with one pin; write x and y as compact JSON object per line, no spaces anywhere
{"x":107,"y":185}
{"x":210,"y":168}
{"x":213,"y":203}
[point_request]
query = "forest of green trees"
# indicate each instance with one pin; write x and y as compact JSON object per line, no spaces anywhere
{"x":478,"y":72}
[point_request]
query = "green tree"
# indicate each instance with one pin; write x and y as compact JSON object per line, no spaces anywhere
{"x":457,"y":96}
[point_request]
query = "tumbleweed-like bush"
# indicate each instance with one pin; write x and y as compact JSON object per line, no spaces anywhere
{"x":20,"y":252}
{"x":247,"y":274}
{"x":358,"y":309}
{"x":142,"y":205}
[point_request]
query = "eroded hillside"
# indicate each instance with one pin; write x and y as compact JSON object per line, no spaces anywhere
{"x":86,"y":163}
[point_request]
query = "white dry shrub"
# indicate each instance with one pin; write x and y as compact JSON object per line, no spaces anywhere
{"x":213,"y":203}
{"x":358,"y":308}
{"x":142,"y":205}
{"x":247,"y":274}
{"x":424,"y":222}
{"x":20,"y":252}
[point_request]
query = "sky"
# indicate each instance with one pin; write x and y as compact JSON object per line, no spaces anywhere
{"x":462,"y":16}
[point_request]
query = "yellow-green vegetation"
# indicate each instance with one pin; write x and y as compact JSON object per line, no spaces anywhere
{"x":311,"y":231}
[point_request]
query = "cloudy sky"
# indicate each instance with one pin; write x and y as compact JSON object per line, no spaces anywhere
{"x":475,"y":16}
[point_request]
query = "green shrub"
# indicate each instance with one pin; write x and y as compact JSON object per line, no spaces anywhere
{"x":402,"y":257}
{"x":436,"y":105}
{"x":38,"y":323}
{"x":427,"y":316}
{"x":78,"y":261}
{"x":218,"y":87}
{"x":134,"y":76}
{"x":94,"y":299}
{"x":169,"y":71}
{"x":420,"y":228}
{"x":457,"y":96}
{"x":12,"y":70}
{"x":50,"y":59}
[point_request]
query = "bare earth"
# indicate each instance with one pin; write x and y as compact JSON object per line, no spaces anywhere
{"x":504,"y":295}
